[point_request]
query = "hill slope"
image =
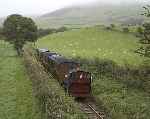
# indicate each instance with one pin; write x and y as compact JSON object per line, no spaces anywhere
{"x":94,"y":42}
{"x":92,"y":14}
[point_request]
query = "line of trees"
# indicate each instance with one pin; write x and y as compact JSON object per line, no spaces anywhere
{"x":44,"y":32}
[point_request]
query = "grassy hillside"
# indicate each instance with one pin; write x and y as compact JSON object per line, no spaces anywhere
{"x":118,"y":89}
{"x":16,"y":98}
{"x":98,"y":13}
{"x":94,"y":42}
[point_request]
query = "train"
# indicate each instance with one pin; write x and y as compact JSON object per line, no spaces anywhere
{"x":75,"y":81}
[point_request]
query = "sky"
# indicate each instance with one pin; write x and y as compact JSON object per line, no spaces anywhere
{"x":38,"y":7}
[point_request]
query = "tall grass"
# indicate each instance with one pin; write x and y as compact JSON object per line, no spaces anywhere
{"x":16,"y":99}
{"x":123,"y":90}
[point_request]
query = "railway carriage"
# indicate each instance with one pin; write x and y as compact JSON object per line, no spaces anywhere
{"x":39,"y":53}
{"x":76,"y":82}
{"x":45,"y":59}
{"x":62,"y":66}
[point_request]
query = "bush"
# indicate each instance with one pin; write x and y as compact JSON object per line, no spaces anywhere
{"x":112,"y":26}
{"x":61,"y":29}
{"x":44,"y":32}
{"x":125,"y":29}
{"x":140,"y":30}
{"x":108,"y":28}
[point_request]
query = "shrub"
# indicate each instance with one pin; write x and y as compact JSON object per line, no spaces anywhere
{"x":108,"y":28}
{"x":61,"y":29}
{"x":140,"y":30}
{"x":112,"y":26}
{"x":44,"y":32}
{"x":125,"y":29}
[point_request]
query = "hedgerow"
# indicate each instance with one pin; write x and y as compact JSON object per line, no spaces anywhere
{"x":52,"y":100}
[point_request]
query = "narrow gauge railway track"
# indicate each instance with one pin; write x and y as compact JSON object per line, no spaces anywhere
{"x":90,"y":108}
{"x":87,"y":105}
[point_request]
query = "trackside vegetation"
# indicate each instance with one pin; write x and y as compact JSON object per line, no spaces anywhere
{"x":53,"y":102}
{"x":121,"y":77}
{"x":16,"y":97}
{"x":124,"y":91}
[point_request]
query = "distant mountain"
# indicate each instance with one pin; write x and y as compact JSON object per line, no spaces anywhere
{"x":94,"y":14}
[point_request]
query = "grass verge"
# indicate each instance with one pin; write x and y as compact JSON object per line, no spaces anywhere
{"x":16,"y":99}
{"x":123,"y":91}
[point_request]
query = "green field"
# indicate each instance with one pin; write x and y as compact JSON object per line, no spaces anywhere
{"x":16,"y":98}
{"x":94,"y":42}
{"x":123,"y":99}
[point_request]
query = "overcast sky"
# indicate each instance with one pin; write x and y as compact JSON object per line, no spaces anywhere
{"x":30,"y":7}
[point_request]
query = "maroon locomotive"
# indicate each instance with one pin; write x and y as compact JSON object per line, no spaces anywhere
{"x":75,"y":81}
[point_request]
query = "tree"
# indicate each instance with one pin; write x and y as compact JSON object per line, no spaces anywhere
{"x":112,"y":26}
{"x":108,"y":28}
{"x":1,"y":32}
{"x":145,"y":35}
{"x":18,"y":30}
{"x":140,"y":30}
{"x":147,"y":11}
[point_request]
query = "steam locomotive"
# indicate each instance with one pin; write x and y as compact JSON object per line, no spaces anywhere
{"x":74,"y":80}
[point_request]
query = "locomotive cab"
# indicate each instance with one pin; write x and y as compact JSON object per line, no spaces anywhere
{"x":78,"y":84}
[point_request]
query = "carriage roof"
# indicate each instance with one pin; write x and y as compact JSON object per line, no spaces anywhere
{"x":60,"y":59}
{"x":43,"y":50}
{"x":48,"y":54}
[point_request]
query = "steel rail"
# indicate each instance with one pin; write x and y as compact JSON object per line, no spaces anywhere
{"x":98,"y":115}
